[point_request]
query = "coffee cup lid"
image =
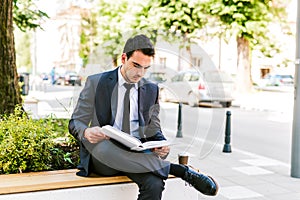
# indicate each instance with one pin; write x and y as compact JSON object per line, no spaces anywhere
{"x":184,"y":154}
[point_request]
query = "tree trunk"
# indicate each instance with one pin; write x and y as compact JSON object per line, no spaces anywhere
{"x":244,"y":83}
{"x":115,"y":60}
{"x":9,"y":89}
{"x":189,"y":52}
{"x":187,"y":44}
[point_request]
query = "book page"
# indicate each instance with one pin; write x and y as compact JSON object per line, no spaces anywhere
{"x":120,"y":136}
{"x":151,"y":145}
{"x":130,"y":141}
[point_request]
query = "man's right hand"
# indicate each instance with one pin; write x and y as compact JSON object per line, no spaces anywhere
{"x":94,"y":135}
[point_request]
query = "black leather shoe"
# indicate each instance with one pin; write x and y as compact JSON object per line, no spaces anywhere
{"x":204,"y":184}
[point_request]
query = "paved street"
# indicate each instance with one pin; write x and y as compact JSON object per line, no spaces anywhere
{"x":253,"y":170}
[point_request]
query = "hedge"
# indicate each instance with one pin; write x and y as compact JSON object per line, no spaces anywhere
{"x":28,"y":144}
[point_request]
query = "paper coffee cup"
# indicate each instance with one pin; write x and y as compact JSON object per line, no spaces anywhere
{"x":183,"y":158}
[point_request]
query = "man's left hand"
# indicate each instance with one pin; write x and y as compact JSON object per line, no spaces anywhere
{"x":162,"y":152}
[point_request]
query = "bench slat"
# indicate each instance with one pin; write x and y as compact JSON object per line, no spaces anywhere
{"x":50,"y":180}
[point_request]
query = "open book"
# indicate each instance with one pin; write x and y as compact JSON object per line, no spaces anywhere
{"x":130,"y":141}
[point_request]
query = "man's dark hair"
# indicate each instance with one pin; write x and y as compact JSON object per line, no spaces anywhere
{"x":148,"y":52}
{"x":139,"y":43}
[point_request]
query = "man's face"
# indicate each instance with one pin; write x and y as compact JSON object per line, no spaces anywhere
{"x":135,"y":67}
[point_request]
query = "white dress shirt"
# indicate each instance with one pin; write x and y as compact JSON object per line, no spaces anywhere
{"x":134,"y":120}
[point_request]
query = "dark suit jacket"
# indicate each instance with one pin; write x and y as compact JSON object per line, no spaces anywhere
{"x":97,"y":106}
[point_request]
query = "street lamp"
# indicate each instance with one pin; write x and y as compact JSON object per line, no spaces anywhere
{"x":295,"y":160}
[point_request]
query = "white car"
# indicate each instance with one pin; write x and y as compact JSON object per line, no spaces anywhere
{"x":194,"y":87}
{"x":277,"y":80}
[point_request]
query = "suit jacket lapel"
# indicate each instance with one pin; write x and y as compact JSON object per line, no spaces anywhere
{"x":141,"y":96}
{"x":107,"y":90}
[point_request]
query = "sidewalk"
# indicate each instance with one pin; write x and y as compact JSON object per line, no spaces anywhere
{"x":42,"y":104}
{"x":241,"y":175}
{"x":265,"y":100}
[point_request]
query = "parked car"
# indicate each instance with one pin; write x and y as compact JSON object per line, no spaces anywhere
{"x":277,"y":80}
{"x":157,"y":77}
{"x":44,"y":76}
{"x":194,"y":87}
{"x":69,"y":78}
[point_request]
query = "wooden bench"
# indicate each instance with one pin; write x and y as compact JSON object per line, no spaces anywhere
{"x":62,"y":184}
{"x":51,"y":180}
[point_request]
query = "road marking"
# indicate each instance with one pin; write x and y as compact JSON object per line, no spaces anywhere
{"x":252,"y":170}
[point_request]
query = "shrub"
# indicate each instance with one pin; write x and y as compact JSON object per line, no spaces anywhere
{"x":65,"y":153}
{"x":28,"y":144}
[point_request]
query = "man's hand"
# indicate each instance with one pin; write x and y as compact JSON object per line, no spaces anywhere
{"x":162,"y":152}
{"x":94,"y":135}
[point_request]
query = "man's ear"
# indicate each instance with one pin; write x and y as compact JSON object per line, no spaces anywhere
{"x":123,"y":58}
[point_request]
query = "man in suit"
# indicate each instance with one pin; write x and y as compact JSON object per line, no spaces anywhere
{"x":123,"y":99}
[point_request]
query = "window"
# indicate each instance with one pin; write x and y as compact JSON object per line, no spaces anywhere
{"x":196,"y":61}
{"x":187,"y":77}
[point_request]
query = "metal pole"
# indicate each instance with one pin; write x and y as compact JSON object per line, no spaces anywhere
{"x":295,"y":160}
{"x":34,"y":67}
{"x":179,"y":125}
{"x":227,"y":146}
{"x":220,"y":50}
